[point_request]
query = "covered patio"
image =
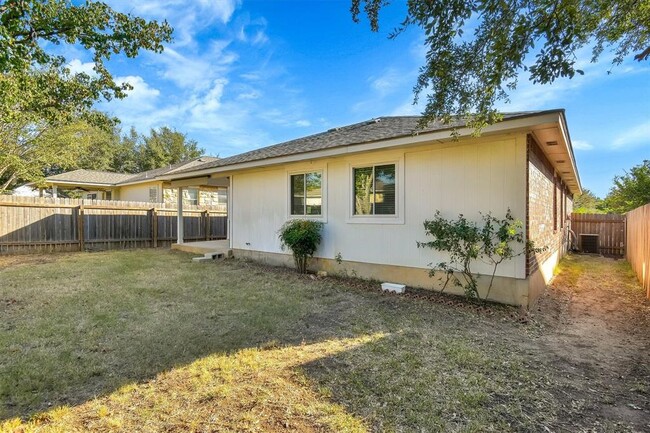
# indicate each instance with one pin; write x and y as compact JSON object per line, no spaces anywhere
{"x":208,"y":247}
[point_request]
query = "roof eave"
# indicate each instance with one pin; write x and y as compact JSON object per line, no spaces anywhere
{"x":520,"y":122}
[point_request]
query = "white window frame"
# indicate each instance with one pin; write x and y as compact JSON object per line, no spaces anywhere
{"x":398,"y":218}
{"x":323,"y":187}
{"x":198,"y":196}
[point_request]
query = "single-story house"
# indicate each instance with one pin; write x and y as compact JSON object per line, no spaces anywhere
{"x":141,"y":187}
{"x":374,"y":183}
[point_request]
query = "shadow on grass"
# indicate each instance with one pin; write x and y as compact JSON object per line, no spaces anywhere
{"x":88,"y":324}
{"x":108,"y":341}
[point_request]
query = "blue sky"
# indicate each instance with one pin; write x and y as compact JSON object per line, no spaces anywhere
{"x":245,"y":74}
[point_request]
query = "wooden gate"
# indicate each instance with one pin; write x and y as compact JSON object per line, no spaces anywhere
{"x":606,"y":231}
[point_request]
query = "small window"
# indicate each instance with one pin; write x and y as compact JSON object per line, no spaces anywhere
{"x":193,"y":196}
{"x":91,"y":196}
{"x":374,"y":190}
{"x":222,"y":196}
{"x":108,"y":195}
{"x":153,"y":194}
{"x":307,"y":194}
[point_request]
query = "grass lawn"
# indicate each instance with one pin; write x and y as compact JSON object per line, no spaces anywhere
{"x":146,"y":340}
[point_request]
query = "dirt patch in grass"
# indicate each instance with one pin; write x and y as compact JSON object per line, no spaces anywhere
{"x":149,"y":341}
{"x":598,"y":341}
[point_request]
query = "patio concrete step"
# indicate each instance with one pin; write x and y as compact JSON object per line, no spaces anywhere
{"x":210,"y":256}
{"x":211,"y":250}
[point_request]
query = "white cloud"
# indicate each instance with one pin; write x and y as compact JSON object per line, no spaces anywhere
{"x":388,"y":82}
{"x":196,"y":71}
{"x":581,"y":145}
{"x":141,"y":92}
{"x":210,"y":102}
{"x":251,"y":94}
{"x":639,"y":134}
{"x":76,"y":67}
{"x":303,"y":123}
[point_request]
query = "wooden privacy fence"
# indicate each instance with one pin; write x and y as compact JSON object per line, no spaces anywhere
{"x":638,"y":244}
{"x":34,"y":224}
{"x":609,"y":228}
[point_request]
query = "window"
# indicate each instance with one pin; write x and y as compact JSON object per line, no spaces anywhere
{"x":193,"y":196}
{"x":153,"y":194}
{"x":374,"y":190}
{"x":222,"y":196}
{"x":108,"y":195}
{"x":307,"y":194}
{"x":91,"y":196}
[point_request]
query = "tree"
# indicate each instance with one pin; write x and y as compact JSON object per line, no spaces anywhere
{"x":587,"y":202}
{"x":39,"y":93}
{"x":630,"y":190}
{"x":467,"y":74}
{"x":165,"y":147}
{"x":37,"y":85}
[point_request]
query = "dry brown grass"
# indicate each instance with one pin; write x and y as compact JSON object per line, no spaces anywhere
{"x":147,"y":341}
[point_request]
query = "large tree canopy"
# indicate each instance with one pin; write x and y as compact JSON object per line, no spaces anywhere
{"x":45,"y":107}
{"x":37,"y":84}
{"x":163,"y":147}
{"x":477,"y":49}
{"x":587,"y":202}
{"x":30,"y":152}
{"x":630,"y":190}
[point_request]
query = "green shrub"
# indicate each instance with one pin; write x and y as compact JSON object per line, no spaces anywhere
{"x":302,"y":238}
{"x":466,"y":242}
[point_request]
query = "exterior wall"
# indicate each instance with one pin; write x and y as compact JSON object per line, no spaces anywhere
{"x":549,"y":205}
{"x":468,"y":177}
{"x":506,"y":290}
{"x":208,"y":196}
{"x":139,"y":192}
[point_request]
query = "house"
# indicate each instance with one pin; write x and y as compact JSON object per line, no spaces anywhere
{"x":374,"y":183}
{"x":142,"y":187}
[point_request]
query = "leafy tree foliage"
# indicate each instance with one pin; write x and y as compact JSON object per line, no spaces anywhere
{"x":302,"y":237}
{"x":588,"y":202}
{"x":466,"y":242}
{"x":165,"y":146}
{"x":36,"y":85}
{"x":469,"y":73}
{"x":33,"y":151}
{"x":46,"y":113}
{"x":630,"y":190}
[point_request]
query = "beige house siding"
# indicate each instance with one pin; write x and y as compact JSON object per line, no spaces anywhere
{"x":468,"y":177}
{"x":140,"y":191}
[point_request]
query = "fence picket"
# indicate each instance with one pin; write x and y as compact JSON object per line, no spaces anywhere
{"x":40,"y":224}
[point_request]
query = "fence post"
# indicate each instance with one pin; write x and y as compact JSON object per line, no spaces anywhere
{"x":80,"y":226}
{"x":206,"y":227}
{"x":154,"y":227}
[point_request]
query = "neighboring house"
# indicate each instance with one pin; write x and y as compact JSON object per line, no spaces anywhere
{"x":374,"y":183}
{"x":142,"y":187}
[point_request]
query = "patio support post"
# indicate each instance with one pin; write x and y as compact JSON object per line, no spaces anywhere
{"x":55,"y":192}
{"x":179,"y":216}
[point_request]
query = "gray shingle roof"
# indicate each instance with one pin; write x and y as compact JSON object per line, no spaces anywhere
{"x":90,"y":176}
{"x":382,"y":128}
{"x":95,"y":177}
{"x":184,"y":165}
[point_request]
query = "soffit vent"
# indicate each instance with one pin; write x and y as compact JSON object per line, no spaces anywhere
{"x":551,"y":143}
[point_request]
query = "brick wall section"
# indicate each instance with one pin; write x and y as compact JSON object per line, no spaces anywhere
{"x":546,"y":222}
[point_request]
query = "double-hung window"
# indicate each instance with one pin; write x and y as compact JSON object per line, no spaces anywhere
{"x":306,"y":194}
{"x":374,"y":190}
